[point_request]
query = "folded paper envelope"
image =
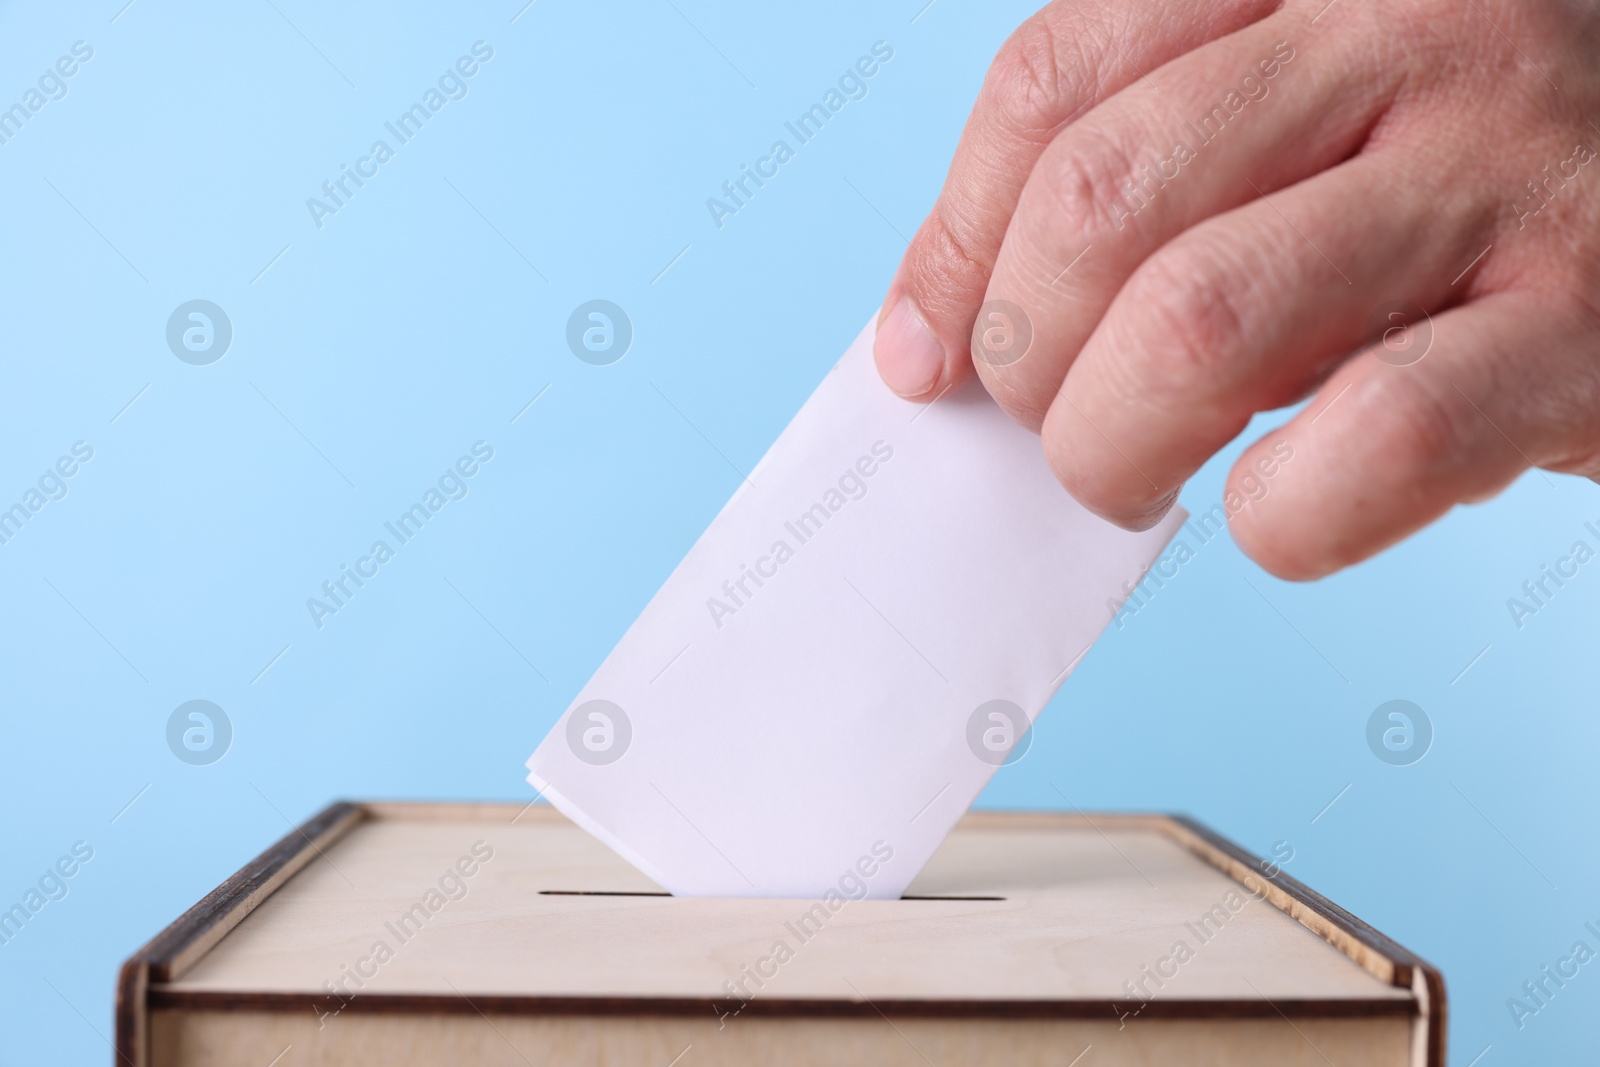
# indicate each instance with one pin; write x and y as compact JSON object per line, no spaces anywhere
{"x":860,"y":638}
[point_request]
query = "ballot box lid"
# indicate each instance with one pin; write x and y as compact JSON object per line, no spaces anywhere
{"x":509,"y":907}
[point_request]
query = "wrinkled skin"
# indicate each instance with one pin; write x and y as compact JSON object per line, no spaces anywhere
{"x":1211,"y":208}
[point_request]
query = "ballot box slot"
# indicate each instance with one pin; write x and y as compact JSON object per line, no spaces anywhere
{"x":652,"y":893}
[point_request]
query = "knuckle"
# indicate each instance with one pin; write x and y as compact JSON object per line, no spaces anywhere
{"x":1190,"y":313}
{"x":1084,"y":175}
{"x":1026,"y":84}
{"x":949,"y":264}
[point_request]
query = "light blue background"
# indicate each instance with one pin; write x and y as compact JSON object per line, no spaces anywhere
{"x":407,"y":329}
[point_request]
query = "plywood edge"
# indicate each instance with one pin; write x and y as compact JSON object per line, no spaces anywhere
{"x":521,"y":813}
{"x":174,"y":950}
{"x":1372,"y":950}
{"x":784,"y":1007}
{"x":1006,"y":819}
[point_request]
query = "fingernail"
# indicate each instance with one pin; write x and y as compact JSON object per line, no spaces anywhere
{"x":910,"y":358}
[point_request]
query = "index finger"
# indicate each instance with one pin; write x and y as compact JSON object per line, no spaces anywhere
{"x":1058,"y":65}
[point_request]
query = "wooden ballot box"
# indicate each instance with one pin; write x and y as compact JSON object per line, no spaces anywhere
{"x":400,"y":934}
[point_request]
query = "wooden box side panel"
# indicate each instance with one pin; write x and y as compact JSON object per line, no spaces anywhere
{"x":250,"y":1039}
{"x":1375,"y":951}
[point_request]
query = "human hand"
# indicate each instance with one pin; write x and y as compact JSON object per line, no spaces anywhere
{"x":1210,"y":209}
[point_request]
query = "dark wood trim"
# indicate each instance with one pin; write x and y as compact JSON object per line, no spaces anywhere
{"x":225,"y":906}
{"x":450,"y":1004}
{"x":132,"y":1014}
{"x":164,"y":957}
{"x":1438,"y":1014}
{"x":1407,"y":964}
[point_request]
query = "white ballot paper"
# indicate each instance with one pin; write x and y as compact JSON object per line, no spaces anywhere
{"x":858,"y":640}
